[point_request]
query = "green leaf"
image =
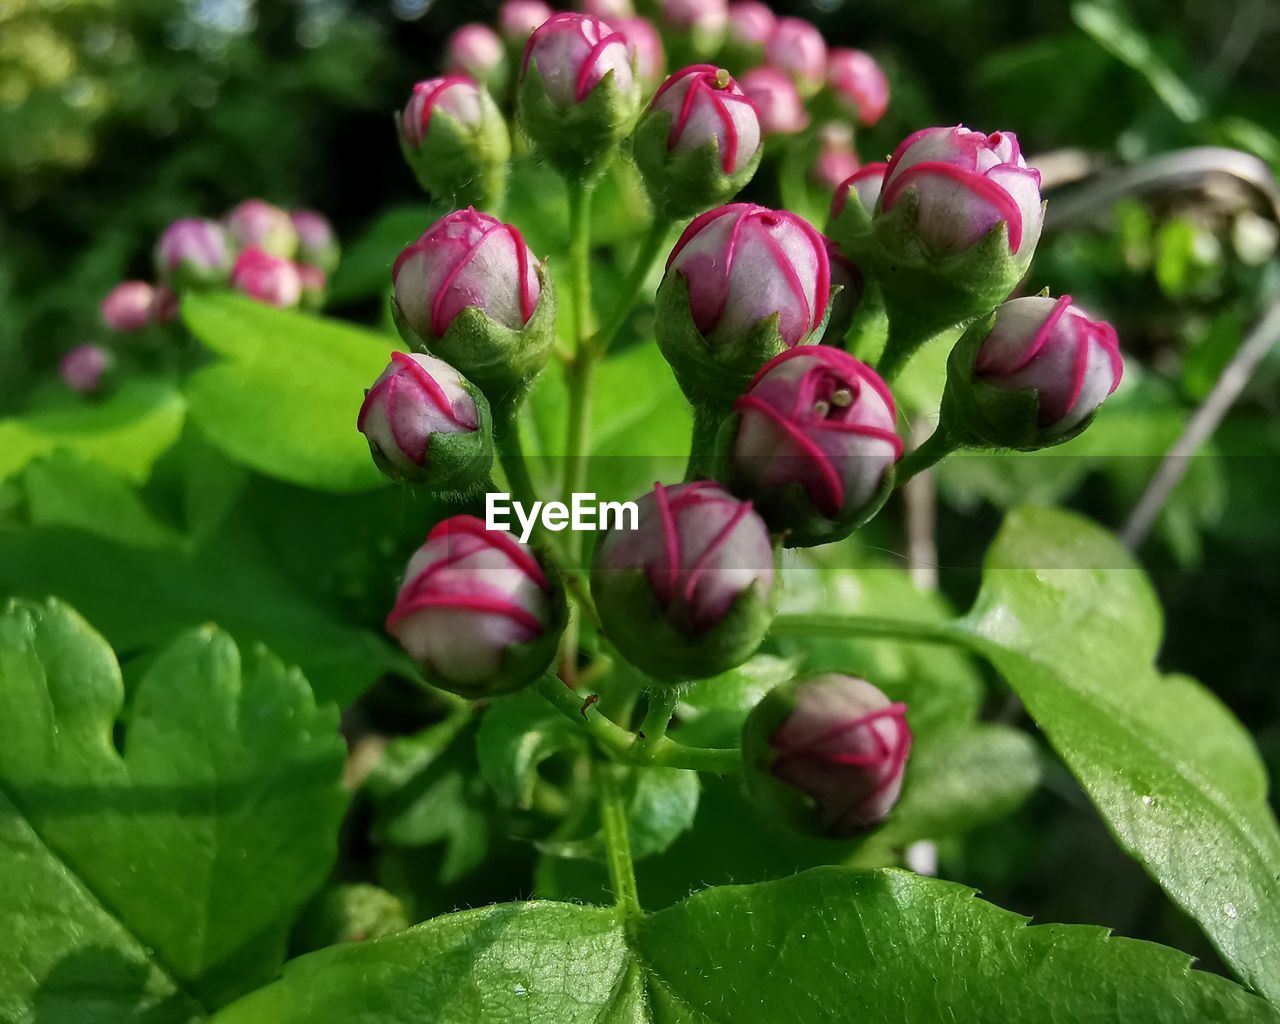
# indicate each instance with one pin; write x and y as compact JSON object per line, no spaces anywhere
{"x":187,"y":853}
{"x":516,"y":735}
{"x":1071,"y":622}
{"x":285,"y":398}
{"x":828,"y":945}
{"x":365,"y":270}
{"x":126,"y":433}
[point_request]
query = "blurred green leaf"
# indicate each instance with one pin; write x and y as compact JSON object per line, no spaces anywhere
{"x":365,"y":270}
{"x":126,"y":432}
{"x":136,"y":875}
{"x":285,"y":399}
{"x":516,"y":735}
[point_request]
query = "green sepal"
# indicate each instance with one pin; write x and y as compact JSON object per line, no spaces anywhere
{"x":641,"y":630}
{"x":709,"y":373}
{"x":464,"y":166}
{"x":500,"y":361}
{"x":851,"y":229}
{"x":579,"y":140}
{"x":456,"y":464}
{"x":681,"y":185}
{"x":981,"y":415}
{"x":925,"y":294}
{"x":788,"y":510}
{"x":775,"y":799}
{"x":522,"y":664}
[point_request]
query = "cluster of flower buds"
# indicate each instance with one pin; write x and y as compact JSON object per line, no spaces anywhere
{"x":826,"y":754}
{"x":688,"y":593}
{"x":480,"y":612}
{"x":743,"y":284}
{"x":472,"y":293}
{"x":1030,"y":375}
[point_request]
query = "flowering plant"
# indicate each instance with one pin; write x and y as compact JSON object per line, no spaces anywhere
{"x":725,"y":742}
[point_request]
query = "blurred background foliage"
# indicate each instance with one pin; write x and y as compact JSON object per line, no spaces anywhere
{"x":118,"y":116}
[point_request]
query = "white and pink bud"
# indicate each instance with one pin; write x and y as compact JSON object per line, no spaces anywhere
{"x":573,"y":53}
{"x":85,"y":368}
{"x":194,"y":252}
{"x":859,"y":84}
{"x":815,"y":438}
{"x":478,"y":610}
{"x":778,"y":102}
{"x":1051,"y":347}
{"x":129,"y":306}
{"x":827,"y":755}
{"x":751,"y":25}
{"x":455,"y":139}
{"x":706,"y":107}
{"x":797,"y":48}
{"x":518,"y":19}
{"x":966,"y":185}
{"x":745,"y":264}
{"x":612,"y":11}
{"x":426,"y":424}
{"x":688,"y":593}
{"x":260,"y":225}
{"x":467,"y":260}
{"x":266,"y":278}
{"x":476,"y":51}
{"x":317,"y":243}
{"x":695,"y":29}
{"x":866,"y":183}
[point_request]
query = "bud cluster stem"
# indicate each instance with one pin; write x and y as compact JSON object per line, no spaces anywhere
{"x":650,"y":251}
{"x":617,"y":841}
{"x":506,"y":429}
{"x":933,"y":450}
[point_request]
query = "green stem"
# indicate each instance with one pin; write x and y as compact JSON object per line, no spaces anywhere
{"x":646,"y":256}
{"x":873,"y":626}
{"x":936,"y":447}
{"x":662,"y":706}
{"x":580,"y":260}
{"x":702,"y":441}
{"x":506,"y":430}
{"x":624,"y":746}
{"x":617,"y":841}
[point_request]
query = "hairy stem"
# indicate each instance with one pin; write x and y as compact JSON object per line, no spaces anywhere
{"x":936,"y":447}
{"x":617,"y":842}
{"x":506,"y":430}
{"x":702,"y":441}
{"x":662,"y":706}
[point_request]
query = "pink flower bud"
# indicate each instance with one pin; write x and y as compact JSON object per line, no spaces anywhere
{"x":777,"y":101}
{"x":517,"y":19}
{"x":836,"y":160}
{"x":416,"y":397}
{"x":645,"y":46}
{"x":266,"y":278}
{"x":696,"y":15}
{"x":456,"y":95}
{"x":129,"y":306}
{"x":612,"y":11}
{"x":829,"y":752}
{"x":573,"y":53}
{"x":467,"y":259}
{"x":797,"y":48}
{"x":966,"y":184}
{"x":1051,"y":346}
{"x":83,"y":368}
{"x":706,"y":105}
{"x":859,"y":84}
{"x":745,"y":263}
{"x":317,"y":244}
{"x":866,"y":183}
{"x":472,"y":598}
{"x":263,"y":226}
{"x":816,"y":417}
{"x":476,"y":51}
{"x":700,"y":549}
{"x":751,"y":24}
{"x":194,"y":250}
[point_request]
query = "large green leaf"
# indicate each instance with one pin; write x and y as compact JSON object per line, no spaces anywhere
{"x":830,"y":945}
{"x":285,"y":398}
{"x":125,"y":433}
{"x":1071,"y":622}
{"x":167,"y":872}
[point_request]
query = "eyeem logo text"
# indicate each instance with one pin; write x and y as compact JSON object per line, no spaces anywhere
{"x":583,"y":513}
